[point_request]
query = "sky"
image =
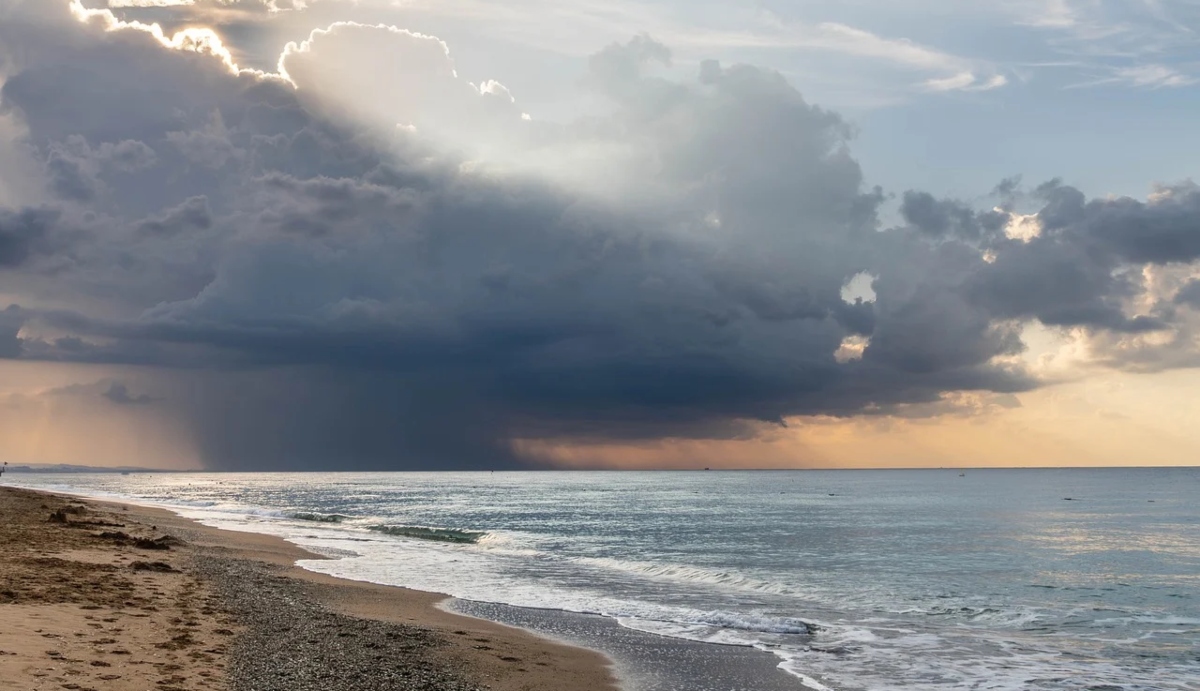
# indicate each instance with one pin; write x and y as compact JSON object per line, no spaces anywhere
{"x":456,"y":234}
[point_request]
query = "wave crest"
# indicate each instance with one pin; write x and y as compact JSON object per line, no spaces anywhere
{"x":421,"y":532}
{"x":318,"y":517}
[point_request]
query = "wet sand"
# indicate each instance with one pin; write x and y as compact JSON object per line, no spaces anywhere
{"x":124,"y":598}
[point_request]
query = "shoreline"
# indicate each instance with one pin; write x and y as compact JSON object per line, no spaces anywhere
{"x":1011,"y":617}
{"x":88,"y":601}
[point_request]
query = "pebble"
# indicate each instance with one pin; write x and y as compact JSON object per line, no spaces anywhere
{"x":290,"y":642}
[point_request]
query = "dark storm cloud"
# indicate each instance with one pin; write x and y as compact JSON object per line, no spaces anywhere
{"x":11,"y":321}
{"x":191,"y":214}
{"x":22,"y":233}
{"x":344,"y":419}
{"x":68,"y":178}
{"x":1189,"y":294}
{"x":1077,"y":272}
{"x":74,"y":166}
{"x":327,"y":289}
{"x":941,"y":218}
{"x":1161,"y":233}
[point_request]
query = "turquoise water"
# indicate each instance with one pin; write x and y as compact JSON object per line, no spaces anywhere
{"x":855,"y":580}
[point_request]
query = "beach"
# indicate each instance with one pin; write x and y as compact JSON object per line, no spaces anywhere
{"x":97,"y":595}
{"x":839,"y":580}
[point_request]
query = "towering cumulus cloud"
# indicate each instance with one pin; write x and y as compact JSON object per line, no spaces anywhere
{"x":363,"y":260}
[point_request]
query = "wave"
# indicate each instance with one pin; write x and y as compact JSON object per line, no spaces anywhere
{"x":1011,"y":617}
{"x":715,"y":626}
{"x":421,"y":532}
{"x":318,"y":517}
{"x":758,"y":624}
{"x":688,"y":574}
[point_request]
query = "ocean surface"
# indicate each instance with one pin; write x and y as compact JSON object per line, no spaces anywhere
{"x":853,"y":580}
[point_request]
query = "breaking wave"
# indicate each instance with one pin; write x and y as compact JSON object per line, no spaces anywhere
{"x":318,"y":517}
{"x":420,"y":532}
{"x":684,"y":573}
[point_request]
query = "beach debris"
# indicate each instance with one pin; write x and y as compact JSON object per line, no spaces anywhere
{"x":161,"y":543}
{"x":63,"y":516}
{"x":97,"y":524}
{"x":183,"y":640}
{"x":147,"y":543}
{"x":156,"y":566}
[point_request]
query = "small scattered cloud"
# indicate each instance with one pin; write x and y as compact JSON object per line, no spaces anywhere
{"x":1142,"y":77}
{"x":1046,"y":14}
{"x":124,"y":4}
{"x":113,"y":391}
{"x":119,"y":394}
{"x":1153,"y":76}
{"x":898,"y":52}
{"x":965,"y":81}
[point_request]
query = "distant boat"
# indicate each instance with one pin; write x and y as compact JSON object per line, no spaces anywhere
{"x":962,"y":473}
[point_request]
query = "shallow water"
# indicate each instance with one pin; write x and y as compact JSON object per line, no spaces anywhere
{"x":997,"y":579}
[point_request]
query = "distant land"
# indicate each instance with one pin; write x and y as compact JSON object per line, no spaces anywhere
{"x":66,"y":468}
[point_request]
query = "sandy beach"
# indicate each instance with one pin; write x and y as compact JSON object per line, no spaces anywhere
{"x":105,"y":596}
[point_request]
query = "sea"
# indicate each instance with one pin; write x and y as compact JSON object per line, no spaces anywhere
{"x":846,"y":580}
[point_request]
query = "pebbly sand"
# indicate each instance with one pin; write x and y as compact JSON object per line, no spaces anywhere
{"x":97,"y":596}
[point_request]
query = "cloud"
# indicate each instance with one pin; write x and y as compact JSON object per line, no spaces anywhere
{"x":114,"y":392}
{"x":22,"y":234}
{"x":1150,"y":76}
{"x":1154,"y":76}
{"x":355,"y":267}
{"x":966,"y":81}
{"x":192,"y":214}
{"x":119,"y":394}
{"x":1189,"y":294}
{"x":194,"y":40}
{"x":842,"y":39}
{"x":1049,"y":14}
{"x":942,"y":218}
{"x":1144,"y":45}
{"x":120,"y":4}
{"x":11,"y":321}
{"x":421,"y":89}
{"x":73,"y":166}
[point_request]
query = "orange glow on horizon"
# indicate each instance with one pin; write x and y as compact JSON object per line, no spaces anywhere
{"x":1108,"y":420}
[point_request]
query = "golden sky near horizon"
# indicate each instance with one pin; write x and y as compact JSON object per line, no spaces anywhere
{"x":1117,"y":420}
{"x":52,"y":413}
{"x":56,"y":414}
